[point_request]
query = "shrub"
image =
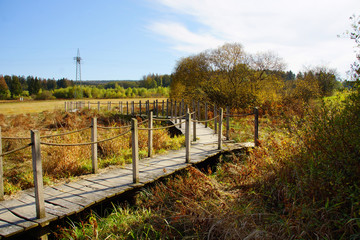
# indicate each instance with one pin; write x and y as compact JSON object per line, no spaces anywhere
{"x":44,"y":95}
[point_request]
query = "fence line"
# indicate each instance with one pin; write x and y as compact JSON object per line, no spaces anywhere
{"x":173,"y":109}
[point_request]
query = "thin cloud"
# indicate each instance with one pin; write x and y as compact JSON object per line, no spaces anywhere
{"x":290,"y":28}
{"x":183,"y":39}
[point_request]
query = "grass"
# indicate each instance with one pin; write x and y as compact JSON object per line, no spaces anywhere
{"x":302,"y":182}
{"x":14,"y":107}
{"x":60,"y":163}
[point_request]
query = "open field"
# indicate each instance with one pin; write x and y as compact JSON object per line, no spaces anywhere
{"x":16,"y":107}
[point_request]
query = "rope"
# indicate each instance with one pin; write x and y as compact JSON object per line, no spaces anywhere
{"x":114,"y":127}
{"x":198,"y":121}
{"x":238,"y":115}
{"x":46,"y":136}
{"x":179,"y":117}
{"x":15,"y":150}
{"x":82,"y":144}
{"x":161,"y":119}
{"x":16,"y":138}
{"x":62,"y":134}
{"x":159,"y":128}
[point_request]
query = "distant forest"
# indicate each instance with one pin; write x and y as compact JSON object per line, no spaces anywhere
{"x":13,"y":87}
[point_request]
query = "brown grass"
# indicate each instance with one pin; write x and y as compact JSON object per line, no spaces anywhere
{"x":63,"y":162}
{"x":15,"y":107}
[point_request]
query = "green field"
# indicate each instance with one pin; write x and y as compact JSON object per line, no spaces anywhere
{"x":16,"y":107}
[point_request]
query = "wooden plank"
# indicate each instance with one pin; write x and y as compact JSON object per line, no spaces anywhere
{"x":106,"y":191}
{"x":88,"y":192}
{"x":7,"y":216}
{"x":72,"y":198}
{"x":68,"y":207}
{"x":27,"y":211}
{"x":8,"y":230}
{"x":113,"y":181}
{"x":49,"y":208}
{"x":100,"y":190}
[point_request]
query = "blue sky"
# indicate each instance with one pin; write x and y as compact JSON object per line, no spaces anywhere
{"x":126,"y":39}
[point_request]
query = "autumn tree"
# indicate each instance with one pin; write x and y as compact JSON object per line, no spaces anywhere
{"x":189,"y":76}
{"x":3,"y":88}
{"x":227,"y":76}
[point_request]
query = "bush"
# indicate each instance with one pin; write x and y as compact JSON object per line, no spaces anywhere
{"x":44,"y":95}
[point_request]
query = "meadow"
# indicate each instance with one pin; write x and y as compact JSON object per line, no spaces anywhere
{"x":11,"y":107}
{"x":66,"y":163}
{"x":302,"y":182}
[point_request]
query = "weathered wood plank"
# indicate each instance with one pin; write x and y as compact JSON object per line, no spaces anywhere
{"x":68,"y":207}
{"x":49,"y":208}
{"x":88,"y":192}
{"x":7,"y":216}
{"x":73,"y":197}
{"x":27,"y":211}
{"x":8,"y":230}
{"x":70,"y":197}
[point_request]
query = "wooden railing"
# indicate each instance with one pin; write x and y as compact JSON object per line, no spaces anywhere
{"x":176,"y":112}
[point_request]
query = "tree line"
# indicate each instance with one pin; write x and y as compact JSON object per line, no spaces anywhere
{"x":13,"y":87}
{"x":229,"y":76}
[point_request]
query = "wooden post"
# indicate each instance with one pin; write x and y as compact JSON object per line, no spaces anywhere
{"x":206,"y":114}
{"x":157,"y":108}
{"x":194,"y":127}
{"x":38,"y":175}
{"x":215,"y":120}
{"x":94,"y":145}
{"x":65,"y":106}
{"x":167,"y":108}
{"x":150,"y":134}
{"x":135,"y":150}
{"x":127,"y":108}
{"x":220,"y":129}
{"x":163,"y":109}
{"x":122,"y":110}
{"x":119,"y":107}
{"x":139,"y":107}
{"x":2,"y":171}
{"x":175,"y":112}
{"x":180,"y":114}
{"x":172,"y":110}
{"x":187,"y":136}
{"x":199,"y":110}
{"x":98,"y":106}
{"x":133,"y":108}
{"x":183,"y":107}
{"x":227,"y":123}
{"x":71,"y":106}
{"x":154,"y":111}
{"x":109,"y":106}
{"x":256,"y":123}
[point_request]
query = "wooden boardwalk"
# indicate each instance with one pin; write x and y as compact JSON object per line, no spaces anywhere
{"x":18,"y":215}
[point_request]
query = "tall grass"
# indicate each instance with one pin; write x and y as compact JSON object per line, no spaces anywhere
{"x":302,"y":183}
{"x":59,"y":162}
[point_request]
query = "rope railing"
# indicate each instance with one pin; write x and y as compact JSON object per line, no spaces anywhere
{"x":238,"y":115}
{"x":47,"y":136}
{"x":66,"y":133}
{"x":161,"y":119}
{"x":127,"y":126}
{"x":15,"y":150}
{"x":159,"y":128}
{"x":170,"y":114}
{"x":82,"y":144}
{"x":204,"y":121}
